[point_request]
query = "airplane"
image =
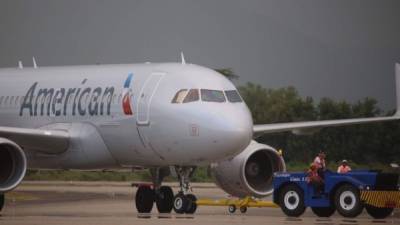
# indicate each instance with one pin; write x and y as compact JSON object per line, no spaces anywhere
{"x":167,"y":117}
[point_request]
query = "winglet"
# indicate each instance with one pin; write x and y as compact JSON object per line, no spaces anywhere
{"x":34,"y":63}
{"x":397,"y":71}
{"x":183,"y":61}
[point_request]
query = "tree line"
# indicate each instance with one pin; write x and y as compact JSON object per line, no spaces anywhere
{"x":377,"y":142}
{"x":363,"y":144}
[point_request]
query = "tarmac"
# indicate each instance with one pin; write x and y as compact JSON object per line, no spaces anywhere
{"x":62,"y":203}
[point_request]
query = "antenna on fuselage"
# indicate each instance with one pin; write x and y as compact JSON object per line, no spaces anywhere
{"x":183,"y":61}
{"x":20,"y":66}
{"x":34,"y":62}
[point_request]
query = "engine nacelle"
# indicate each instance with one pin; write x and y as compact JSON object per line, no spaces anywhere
{"x":249,"y":173}
{"x":12,"y":165}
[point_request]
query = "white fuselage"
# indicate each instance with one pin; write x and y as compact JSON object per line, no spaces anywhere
{"x":124,"y":115}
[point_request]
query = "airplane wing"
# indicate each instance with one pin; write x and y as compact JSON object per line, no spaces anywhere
{"x":312,"y":126}
{"x":41,"y":140}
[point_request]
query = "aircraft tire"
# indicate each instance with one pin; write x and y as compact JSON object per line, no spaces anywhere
{"x":323,"y":211}
{"x":348,"y":202}
{"x":144,"y":200}
{"x":231,"y":208}
{"x":378,"y":213}
{"x":2,"y":201}
{"x":180,"y":203}
{"x":291,"y":200}
{"x":165,"y":199}
{"x":192,"y":206}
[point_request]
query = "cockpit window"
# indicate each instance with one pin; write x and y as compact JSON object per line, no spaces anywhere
{"x":233,"y":96}
{"x":179,"y":96}
{"x":192,"y":96}
{"x":212,"y":95}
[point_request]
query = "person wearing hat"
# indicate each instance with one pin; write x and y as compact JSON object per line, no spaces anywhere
{"x":344,"y":167}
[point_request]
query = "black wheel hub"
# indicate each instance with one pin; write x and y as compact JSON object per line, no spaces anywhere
{"x":348,"y":200}
{"x":292,"y":200}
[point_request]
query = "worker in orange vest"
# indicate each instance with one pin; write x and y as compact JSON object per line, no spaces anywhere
{"x":319,"y":162}
{"x":344,"y":167}
{"x":315,"y":179}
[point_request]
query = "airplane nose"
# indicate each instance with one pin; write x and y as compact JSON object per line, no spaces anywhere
{"x":240,"y":135}
{"x":235,"y":131}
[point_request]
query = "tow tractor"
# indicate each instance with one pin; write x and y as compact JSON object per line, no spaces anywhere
{"x":348,"y":194}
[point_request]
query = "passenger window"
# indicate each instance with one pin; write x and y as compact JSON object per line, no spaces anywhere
{"x":233,"y":96}
{"x":192,"y":96}
{"x":179,"y":96}
{"x":212,"y":95}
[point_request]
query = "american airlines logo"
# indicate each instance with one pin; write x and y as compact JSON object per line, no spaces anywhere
{"x":126,"y":96}
{"x":74,"y":101}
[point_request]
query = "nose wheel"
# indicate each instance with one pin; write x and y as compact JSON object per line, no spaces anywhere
{"x":185,"y":203}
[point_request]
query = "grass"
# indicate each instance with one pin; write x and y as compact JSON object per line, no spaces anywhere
{"x":201,"y":174}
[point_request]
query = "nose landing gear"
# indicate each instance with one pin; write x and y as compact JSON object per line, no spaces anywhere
{"x":184,"y":202}
{"x":163,"y":196}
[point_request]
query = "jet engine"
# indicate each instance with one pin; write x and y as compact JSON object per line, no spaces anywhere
{"x":249,"y":173}
{"x":12,"y":165}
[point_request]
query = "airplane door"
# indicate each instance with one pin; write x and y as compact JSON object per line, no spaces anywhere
{"x":145,"y":97}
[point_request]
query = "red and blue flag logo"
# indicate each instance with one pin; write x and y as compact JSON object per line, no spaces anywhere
{"x":126,"y":96}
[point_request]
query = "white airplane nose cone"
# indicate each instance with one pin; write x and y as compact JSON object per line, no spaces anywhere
{"x":240,"y":136}
{"x":236,"y":131}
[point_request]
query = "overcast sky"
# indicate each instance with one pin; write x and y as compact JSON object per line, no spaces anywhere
{"x":340,"y":49}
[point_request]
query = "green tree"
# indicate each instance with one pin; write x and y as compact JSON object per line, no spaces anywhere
{"x":228,"y":73}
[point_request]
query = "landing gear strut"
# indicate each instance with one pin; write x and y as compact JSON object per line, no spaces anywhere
{"x":1,"y":201}
{"x":184,"y":202}
{"x":163,"y":196}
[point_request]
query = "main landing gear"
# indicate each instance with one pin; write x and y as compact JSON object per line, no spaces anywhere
{"x":163,"y":196}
